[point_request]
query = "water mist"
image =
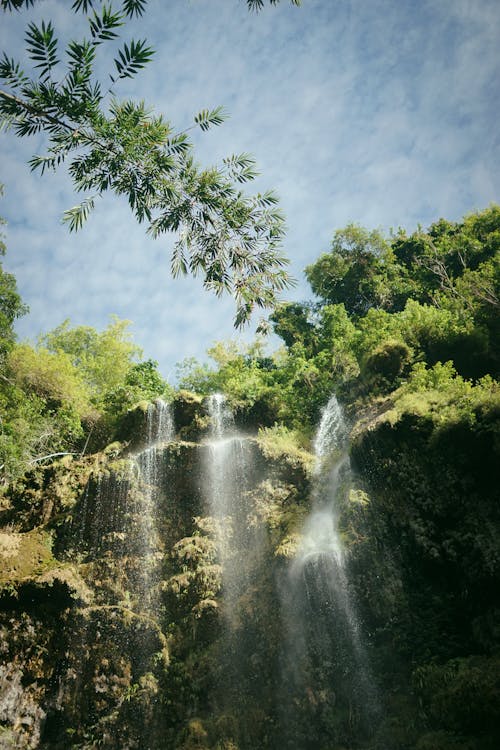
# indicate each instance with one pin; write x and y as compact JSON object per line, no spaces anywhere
{"x":325,"y":668}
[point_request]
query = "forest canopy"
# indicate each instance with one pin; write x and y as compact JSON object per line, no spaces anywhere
{"x":408,"y":314}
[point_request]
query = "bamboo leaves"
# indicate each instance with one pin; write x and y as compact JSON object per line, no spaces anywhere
{"x":103,"y":25}
{"x":42,"y":47}
{"x":257,"y":5}
{"x":131,"y":59}
{"x":227,"y":237}
{"x":75,"y":217}
{"x":207,"y":118}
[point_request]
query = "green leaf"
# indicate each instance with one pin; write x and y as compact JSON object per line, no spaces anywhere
{"x":81,"y":54}
{"x":257,"y":5}
{"x":42,"y":163}
{"x":101,"y":26}
{"x":132,"y":59}
{"x":42,"y":47}
{"x":134,"y":7}
{"x":179,"y":264}
{"x":82,"y":5}
{"x":11,"y":73}
{"x":16,"y":4}
{"x":178,"y":144}
{"x":77,"y":215}
{"x":28,"y":126}
{"x":206,"y":118}
{"x":267,"y":199}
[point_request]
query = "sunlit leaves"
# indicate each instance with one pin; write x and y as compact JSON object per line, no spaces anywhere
{"x":75,"y":217}
{"x":44,"y":162}
{"x":241,"y":167}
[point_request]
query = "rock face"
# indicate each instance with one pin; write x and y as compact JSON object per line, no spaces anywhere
{"x":425,"y":563}
{"x":138,"y":613}
{"x":114,"y":629}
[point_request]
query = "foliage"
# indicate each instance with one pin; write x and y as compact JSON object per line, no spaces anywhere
{"x":461,"y":695}
{"x":386,"y":364}
{"x":30,"y":430}
{"x":287,"y":387}
{"x":386,"y":304}
{"x":230,"y":238}
{"x":74,"y":386}
{"x":11,"y":305}
{"x":419,"y":524}
{"x":281,"y":443}
{"x":360,"y":272}
{"x":102,"y":359}
{"x":52,"y":377}
{"x":142,"y":381}
{"x":259,"y":4}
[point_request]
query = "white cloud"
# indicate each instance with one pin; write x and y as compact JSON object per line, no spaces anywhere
{"x":370,"y":112}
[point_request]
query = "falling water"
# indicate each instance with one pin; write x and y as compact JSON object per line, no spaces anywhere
{"x":159,"y":430}
{"x":320,"y":536}
{"x":119,"y":509}
{"x":227,"y":473}
{"x":325,"y":659}
{"x":221,"y":417}
{"x":230,"y":475}
{"x":331,"y":433}
{"x":117,"y":536}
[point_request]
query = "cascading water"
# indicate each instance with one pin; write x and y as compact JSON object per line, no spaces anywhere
{"x":160,"y":429}
{"x":122,"y":516}
{"x":324,"y":658}
{"x":118,"y":540}
{"x":230,"y":474}
{"x":227,"y":474}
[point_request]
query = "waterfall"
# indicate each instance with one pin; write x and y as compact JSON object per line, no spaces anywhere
{"x":320,"y":535}
{"x":160,"y":429}
{"x":120,"y":545}
{"x":331,"y":433}
{"x":230,"y":474}
{"x":221,"y":416}
{"x":119,"y":509}
{"x":227,"y":473}
{"x":324,"y":656}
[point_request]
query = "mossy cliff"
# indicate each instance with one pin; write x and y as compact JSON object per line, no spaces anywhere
{"x":115,"y":631}
{"x":424,"y":531}
{"x":110,"y":603}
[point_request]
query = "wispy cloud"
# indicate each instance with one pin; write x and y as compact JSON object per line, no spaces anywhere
{"x":383,"y":113}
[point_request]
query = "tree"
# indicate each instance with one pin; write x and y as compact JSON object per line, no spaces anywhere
{"x":11,"y":305}
{"x":103,"y":359}
{"x":230,"y":238}
{"x":292,"y":322}
{"x":359,"y":272}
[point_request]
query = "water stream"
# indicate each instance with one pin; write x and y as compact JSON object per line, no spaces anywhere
{"x":325,"y":663}
{"x":160,"y":430}
{"x":227,"y":476}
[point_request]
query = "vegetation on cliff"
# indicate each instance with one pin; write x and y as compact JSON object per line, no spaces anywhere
{"x":111,"y":618}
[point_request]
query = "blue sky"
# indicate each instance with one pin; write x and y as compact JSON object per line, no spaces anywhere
{"x":382,"y":112}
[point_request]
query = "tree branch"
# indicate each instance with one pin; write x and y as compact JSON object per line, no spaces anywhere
{"x":34,"y":111}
